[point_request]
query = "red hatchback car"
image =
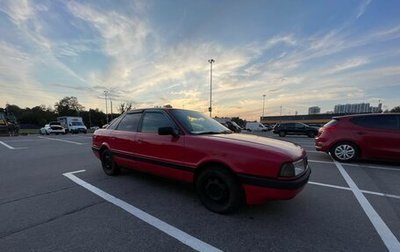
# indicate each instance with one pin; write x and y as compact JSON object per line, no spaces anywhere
{"x":365,"y":136}
{"x":227,"y":169}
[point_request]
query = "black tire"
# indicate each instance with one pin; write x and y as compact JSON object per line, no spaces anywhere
{"x":109,"y":166}
{"x":311,"y":134}
{"x":282,"y":133}
{"x":219,"y":190}
{"x":345,"y":152}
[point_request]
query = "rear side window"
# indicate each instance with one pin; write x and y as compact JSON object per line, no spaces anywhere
{"x":378,"y":121}
{"x":114,"y":123}
{"x":130,"y":122}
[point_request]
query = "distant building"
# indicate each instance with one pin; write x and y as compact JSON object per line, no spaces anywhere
{"x":314,"y":110}
{"x":357,"y":108}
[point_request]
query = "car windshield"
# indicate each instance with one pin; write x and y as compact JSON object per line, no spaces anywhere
{"x":199,"y":124}
{"x":77,"y":123}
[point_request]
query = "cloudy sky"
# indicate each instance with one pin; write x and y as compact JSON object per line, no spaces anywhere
{"x":151,"y":53}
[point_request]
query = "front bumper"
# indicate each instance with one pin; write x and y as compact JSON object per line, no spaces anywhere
{"x":259,"y":189}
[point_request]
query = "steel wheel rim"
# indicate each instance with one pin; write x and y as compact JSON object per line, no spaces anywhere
{"x":216,"y":190}
{"x":345,"y":152}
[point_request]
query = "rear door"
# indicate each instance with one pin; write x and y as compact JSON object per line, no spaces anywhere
{"x":380,"y":135}
{"x":123,"y":138}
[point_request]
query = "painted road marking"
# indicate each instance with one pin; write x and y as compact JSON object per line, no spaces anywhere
{"x":349,"y":189}
{"x":6,"y":145}
{"x":358,"y":165}
{"x":388,"y":238}
{"x":181,"y":236}
{"x":61,"y":140}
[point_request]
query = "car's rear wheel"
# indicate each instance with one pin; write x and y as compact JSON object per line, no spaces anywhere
{"x":311,"y":134}
{"x":109,"y":166}
{"x":219,"y":190}
{"x":282,"y":133}
{"x":344,"y":152}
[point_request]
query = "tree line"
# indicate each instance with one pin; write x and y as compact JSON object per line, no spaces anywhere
{"x":38,"y":116}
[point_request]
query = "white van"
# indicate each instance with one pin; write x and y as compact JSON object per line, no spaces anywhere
{"x":72,"y":124}
{"x":255,"y":126}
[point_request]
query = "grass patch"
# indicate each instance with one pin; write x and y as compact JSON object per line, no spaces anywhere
{"x":28,"y":131}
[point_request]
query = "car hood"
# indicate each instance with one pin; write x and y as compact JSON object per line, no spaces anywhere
{"x":265,"y":143}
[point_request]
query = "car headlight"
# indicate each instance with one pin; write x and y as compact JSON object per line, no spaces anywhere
{"x":293,"y":169}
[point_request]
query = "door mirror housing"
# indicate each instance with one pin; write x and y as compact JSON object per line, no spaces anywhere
{"x":168,"y":131}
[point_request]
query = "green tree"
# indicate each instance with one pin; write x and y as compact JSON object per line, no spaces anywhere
{"x":68,"y":106}
{"x":93,"y":117}
{"x":395,"y":109}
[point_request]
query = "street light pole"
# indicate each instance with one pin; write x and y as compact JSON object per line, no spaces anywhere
{"x":263,"y":104}
{"x":105,"y":98}
{"x":211,"y":61}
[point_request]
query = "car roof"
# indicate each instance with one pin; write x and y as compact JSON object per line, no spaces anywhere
{"x":155,"y":109}
{"x":367,"y":114}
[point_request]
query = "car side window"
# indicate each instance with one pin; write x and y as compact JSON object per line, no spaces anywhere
{"x":130,"y":122}
{"x":152,"y":121}
{"x":378,"y":122}
{"x":299,"y":126}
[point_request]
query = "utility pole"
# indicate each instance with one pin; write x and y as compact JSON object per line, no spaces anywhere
{"x":111,"y":109}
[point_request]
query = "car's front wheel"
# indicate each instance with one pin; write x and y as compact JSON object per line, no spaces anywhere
{"x":219,"y":190}
{"x":109,"y":166}
{"x":344,"y":152}
{"x":282,"y":133}
{"x":311,"y":134}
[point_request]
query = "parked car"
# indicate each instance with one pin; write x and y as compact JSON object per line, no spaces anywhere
{"x":227,"y":169}
{"x":284,"y":129}
{"x":255,"y":126}
{"x":229,"y":124}
{"x":367,"y":136}
{"x":52,"y":128}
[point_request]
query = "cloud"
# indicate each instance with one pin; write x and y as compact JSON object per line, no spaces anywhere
{"x":348,"y":64}
{"x":362,"y":8}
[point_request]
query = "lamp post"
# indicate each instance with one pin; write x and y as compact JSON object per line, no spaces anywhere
{"x":105,"y":98}
{"x":211,"y":61}
{"x":263,"y":104}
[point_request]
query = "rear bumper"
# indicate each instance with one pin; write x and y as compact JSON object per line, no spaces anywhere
{"x":258,"y":189}
{"x":321,"y":144}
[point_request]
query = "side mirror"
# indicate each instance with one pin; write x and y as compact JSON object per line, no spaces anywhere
{"x":168,"y":131}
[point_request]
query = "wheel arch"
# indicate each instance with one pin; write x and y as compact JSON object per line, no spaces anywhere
{"x":218,"y":165}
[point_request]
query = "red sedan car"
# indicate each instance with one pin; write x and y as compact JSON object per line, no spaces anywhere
{"x":227,"y":169}
{"x":366,"y":136}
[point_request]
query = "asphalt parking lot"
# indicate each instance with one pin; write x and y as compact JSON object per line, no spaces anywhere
{"x":54,"y":196}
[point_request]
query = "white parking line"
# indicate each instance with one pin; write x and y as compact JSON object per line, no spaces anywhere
{"x":6,"y":145}
{"x":358,"y":165}
{"x":388,"y":238}
{"x":363,"y":191}
{"x":181,"y":236}
{"x":61,"y":140}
